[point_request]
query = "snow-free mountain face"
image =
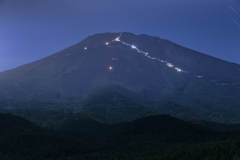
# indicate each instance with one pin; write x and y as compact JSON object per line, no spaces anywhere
{"x":147,"y":67}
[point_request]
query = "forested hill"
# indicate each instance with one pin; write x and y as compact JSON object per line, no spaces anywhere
{"x":80,"y":137}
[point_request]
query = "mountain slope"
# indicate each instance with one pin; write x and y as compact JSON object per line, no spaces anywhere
{"x":148,"y":67}
{"x":75,"y":71}
{"x":112,"y":107}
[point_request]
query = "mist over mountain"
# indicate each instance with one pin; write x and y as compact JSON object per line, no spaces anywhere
{"x":144,"y":69}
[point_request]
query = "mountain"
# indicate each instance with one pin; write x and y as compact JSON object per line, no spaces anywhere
{"x":148,"y":70}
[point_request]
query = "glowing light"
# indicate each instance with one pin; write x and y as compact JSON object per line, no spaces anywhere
{"x":169,"y":65}
{"x":134,"y":47}
{"x":107,"y":43}
{"x":117,"y":39}
{"x":110,"y":68}
{"x":85,"y":48}
{"x":178,"y":69}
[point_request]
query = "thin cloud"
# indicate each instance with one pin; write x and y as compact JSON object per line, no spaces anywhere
{"x":233,"y":10}
{"x":235,"y":22}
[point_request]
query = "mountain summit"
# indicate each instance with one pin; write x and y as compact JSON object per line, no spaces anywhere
{"x":141,"y":66}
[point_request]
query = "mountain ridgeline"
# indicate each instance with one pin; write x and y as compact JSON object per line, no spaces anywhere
{"x":139,"y":74}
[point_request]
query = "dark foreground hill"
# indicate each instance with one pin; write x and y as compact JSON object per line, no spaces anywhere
{"x":11,"y":124}
{"x":148,"y":70}
{"x":21,"y":139}
{"x":80,"y":137}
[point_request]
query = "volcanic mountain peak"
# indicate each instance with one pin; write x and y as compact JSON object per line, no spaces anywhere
{"x":116,"y":58}
{"x":150,"y":67}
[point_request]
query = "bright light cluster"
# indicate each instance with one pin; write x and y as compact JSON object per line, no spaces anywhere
{"x":169,"y":65}
{"x":117,"y":39}
{"x":178,"y":69}
{"x":134,"y":47}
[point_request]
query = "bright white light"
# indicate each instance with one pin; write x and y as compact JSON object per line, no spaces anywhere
{"x":107,"y":43}
{"x":110,"y":68}
{"x":85,"y":48}
{"x":179,"y":70}
{"x":117,"y":39}
{"x":134,"y":47}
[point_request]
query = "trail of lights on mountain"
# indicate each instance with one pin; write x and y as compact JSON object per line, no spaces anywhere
{"x":147,"y":55}
{"x":167,"y":63}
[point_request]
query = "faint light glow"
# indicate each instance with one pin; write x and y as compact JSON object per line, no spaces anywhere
{"x":169,"y":65}
{"x":233,"y":10}
{"x":110,"y":68}
{"x":107,"y":43}
{"x":178,"y":69}
{"x":199,"y":76}
{"x":117,"y":39}
{"x":115,"y":59}
{"x":134,"y":47}
{"x":85,"y":48}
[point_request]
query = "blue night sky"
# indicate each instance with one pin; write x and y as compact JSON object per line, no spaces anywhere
{"x":33,"y":29}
